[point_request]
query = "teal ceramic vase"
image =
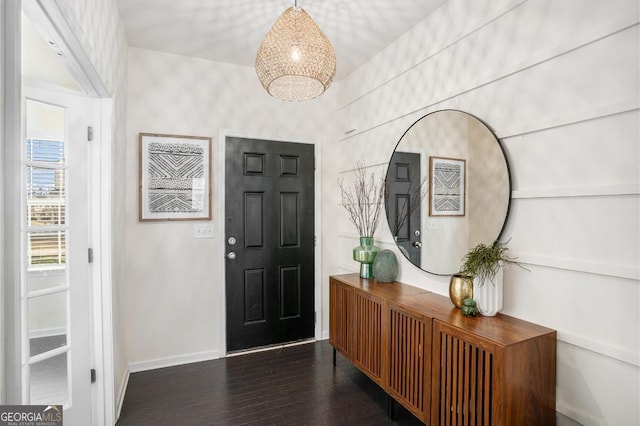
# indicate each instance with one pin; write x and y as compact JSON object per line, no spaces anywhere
{"x":385,"y":266}
{"x":365,"y":253}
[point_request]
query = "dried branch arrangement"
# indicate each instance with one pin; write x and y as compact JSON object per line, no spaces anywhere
{"x":364,"y":201}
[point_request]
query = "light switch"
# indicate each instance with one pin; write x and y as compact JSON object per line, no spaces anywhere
{"x":203,"y":230}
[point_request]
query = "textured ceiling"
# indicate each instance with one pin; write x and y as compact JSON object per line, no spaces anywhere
{"x":232,"y":30}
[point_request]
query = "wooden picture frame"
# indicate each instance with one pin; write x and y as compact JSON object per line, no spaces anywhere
{"x":447,"y":185}
{"x":174,"y":177}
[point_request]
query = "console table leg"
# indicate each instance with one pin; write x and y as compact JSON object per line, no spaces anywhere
{"x":390,"y":407}
{"x":334,"y":357}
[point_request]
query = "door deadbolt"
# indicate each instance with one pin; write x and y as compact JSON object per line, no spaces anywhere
{"x":232,"y":241}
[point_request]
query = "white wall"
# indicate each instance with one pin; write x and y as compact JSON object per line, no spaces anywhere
{"x":171,"y":299}
{"x":558,"y":82}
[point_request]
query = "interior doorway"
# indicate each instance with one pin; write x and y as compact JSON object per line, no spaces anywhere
{"x":29,"y":342}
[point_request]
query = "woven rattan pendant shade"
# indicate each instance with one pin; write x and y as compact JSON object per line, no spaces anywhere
{"x":295,"y":61}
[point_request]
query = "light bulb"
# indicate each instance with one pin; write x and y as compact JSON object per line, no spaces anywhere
{"x":295,"y":54}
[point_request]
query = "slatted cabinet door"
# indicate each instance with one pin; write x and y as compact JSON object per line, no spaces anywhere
{"x":463,"y":386}
{"x":340,"y":321}
{"x":409,"y":361}
{"x":368,"y":342}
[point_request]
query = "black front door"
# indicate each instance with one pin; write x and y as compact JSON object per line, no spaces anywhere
{"x":269,"y":210}
{"x":404,"y":190}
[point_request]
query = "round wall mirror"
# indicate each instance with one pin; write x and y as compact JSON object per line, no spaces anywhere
{"x":448,"y":189}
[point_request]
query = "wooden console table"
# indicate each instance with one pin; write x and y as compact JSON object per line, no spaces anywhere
{"x":447,"y":369}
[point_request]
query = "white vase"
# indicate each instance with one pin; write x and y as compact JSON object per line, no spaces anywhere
{"x":488,"y":294}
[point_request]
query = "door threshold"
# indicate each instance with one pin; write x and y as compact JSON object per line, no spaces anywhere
{"x":270,"y":347}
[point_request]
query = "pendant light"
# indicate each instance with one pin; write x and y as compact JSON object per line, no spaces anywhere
{"x":295,"y":61}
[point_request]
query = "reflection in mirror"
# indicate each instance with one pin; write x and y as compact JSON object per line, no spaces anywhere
{"x":448,"y":189}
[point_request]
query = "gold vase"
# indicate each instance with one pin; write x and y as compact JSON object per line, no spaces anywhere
{"x":460,"y":288}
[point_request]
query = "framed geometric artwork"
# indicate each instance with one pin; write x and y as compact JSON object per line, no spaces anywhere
{"x":446,"y":186}
{"x":174,"y":177}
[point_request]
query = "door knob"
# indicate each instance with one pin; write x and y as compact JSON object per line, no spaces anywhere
{"x":231,"y":255}
{"x":417,"y":244}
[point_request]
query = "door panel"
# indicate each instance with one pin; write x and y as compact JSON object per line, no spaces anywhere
{"x":289,"y":220}
{"x":403,"y":210}
{"x":269,"y":210}
{"x":254,"y":223}
{"x":254,"y":296}
{"x":290,"y":292}
{"x":56,"y":284}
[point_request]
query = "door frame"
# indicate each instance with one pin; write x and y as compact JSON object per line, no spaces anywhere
{"x":61,"y":25}
{"x":10,"y":92}
{"x":221,"y":264}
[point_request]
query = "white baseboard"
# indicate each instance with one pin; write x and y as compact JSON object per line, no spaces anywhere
{"x":153,"y":364}
{"x":576,"y":414}
{"x":121,"y":393}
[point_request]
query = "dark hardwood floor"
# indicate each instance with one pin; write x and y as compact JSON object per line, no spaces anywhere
{"x":297,"y":385}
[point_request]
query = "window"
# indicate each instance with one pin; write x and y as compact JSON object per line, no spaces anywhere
{"x":45,"y":188}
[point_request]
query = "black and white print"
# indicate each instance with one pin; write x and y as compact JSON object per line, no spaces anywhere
{"x":174,"y":177}
{"x":447,"y":192}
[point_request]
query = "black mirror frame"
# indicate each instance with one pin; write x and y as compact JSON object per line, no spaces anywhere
{"x":509,"y":180}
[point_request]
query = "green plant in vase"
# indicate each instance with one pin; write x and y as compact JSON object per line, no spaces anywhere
{"x":363,"y":202}
{"x":484,"y":263}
